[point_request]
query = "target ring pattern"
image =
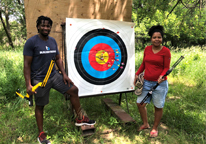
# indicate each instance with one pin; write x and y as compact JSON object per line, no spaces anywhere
{"x":100,"y":56}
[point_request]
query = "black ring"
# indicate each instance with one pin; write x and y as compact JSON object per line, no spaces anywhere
{"x":78,"y":52}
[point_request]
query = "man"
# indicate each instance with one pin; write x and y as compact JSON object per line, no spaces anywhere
{"x":38,"y":52}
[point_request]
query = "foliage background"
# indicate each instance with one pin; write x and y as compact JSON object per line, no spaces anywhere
{"x":184,"y":119}
{"x":184,"y":22}
{"x":184,"y":26}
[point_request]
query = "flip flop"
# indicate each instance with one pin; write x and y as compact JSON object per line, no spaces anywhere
{"x":153,"y":134}
{"x":143,"y":127}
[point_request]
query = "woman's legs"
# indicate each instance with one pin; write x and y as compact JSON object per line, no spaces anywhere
{"x":143,"y":114}
{"x":158,"y":116}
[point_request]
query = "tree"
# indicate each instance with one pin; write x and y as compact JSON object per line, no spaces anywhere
{"x":4,"y":11}
{"x":184,"y":21}
{"x":14,"y":9}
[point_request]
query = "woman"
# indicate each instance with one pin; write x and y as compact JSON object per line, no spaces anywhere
{"x":156,"y":63}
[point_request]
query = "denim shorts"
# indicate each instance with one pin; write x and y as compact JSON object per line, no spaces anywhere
{"x":56,"y":82}
{"x":158,"y":95}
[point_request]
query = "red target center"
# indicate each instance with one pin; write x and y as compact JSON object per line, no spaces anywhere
{"x":101,"y":57}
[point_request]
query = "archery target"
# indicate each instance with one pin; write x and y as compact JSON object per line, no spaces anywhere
{"x":100,"y":55}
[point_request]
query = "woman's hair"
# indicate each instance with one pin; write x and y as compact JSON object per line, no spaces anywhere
{"x":44,"y":18}
{"x":157,"y":28}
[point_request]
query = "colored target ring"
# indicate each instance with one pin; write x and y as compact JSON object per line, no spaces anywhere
{"x":100,"y":56}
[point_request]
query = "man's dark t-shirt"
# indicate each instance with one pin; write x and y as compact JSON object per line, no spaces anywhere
{"x":42,"y":53}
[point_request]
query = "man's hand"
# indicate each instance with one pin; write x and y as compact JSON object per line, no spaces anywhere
{"x":59,"y":63}
{"x":67,"y":80}
{"x":29,"y":90}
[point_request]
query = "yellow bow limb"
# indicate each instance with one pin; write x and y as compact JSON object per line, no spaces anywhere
{"x":34,"y":88}
{"x":48,"y":73}
{"x":40,"y":84}
{"x":19,"y":94}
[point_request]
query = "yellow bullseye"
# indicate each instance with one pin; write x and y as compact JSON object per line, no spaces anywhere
{"x":102,"y":57}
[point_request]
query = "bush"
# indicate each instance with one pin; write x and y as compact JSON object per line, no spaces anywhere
{"x":11,"y":73}
{"x":193,"y":67}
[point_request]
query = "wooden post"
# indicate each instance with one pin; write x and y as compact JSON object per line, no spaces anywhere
{"x":117,"y":111}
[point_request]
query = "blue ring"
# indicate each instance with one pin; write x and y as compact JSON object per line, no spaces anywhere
{"x":85,"y":57}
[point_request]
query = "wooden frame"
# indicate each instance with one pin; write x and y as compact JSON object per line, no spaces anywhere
{"x":59,"y":10}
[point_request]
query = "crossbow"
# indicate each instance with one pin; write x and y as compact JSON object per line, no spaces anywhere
{"x":40,"y":84}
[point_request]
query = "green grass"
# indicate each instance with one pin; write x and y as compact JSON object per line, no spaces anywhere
{"x":183,"y":121}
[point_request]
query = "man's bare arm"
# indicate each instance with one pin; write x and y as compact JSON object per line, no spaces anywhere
{"x":60,"y":64}
{"x":61,"y":68}
{"x":27,"y":74}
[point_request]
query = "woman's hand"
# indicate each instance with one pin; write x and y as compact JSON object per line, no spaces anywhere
{"x":160,"y":79}
{"x":135,"y":79}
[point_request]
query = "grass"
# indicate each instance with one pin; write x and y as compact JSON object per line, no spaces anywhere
{"x":183,"y":121}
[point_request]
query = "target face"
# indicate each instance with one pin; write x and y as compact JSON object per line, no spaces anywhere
{"x":100,"y":55}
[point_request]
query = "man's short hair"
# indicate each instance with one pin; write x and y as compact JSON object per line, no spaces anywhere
{"x":44,"y":18}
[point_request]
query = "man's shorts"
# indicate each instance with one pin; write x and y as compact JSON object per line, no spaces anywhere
{"x":56,"y":82}
{"x":158,"y":95}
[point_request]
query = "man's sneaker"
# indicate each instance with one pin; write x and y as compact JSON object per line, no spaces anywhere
{"x":84,"y":121}
{"x":42,"y":139}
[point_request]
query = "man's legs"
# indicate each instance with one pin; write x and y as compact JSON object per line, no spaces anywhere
{"x":74,"y":98}
{"x":59,"y":85}
{"x":41,"y":99}
{"x":39,"y":117}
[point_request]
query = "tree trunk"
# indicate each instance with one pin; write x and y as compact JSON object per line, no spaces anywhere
{"x":7,"y":32}
{"x":22,"y":5}
{"x":7,"y":21}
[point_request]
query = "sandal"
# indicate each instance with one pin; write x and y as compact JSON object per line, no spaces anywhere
{"x":143,"y":127}
{"x":153,"y":134}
